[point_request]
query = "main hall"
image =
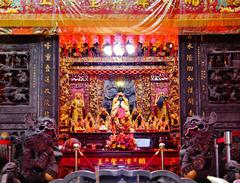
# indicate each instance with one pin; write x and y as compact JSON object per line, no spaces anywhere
{"x":102,"y":91}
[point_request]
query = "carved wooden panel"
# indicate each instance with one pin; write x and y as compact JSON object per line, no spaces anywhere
{"x":29,"y":79}
{"x":210,"y":77}
{"x":14,"y":71}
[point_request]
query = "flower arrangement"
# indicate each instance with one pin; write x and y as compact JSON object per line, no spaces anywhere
{"x":121,"y":141}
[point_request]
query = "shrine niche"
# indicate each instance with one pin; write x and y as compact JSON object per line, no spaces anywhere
{"x":148,"y":94}
{"x":118,"y":108}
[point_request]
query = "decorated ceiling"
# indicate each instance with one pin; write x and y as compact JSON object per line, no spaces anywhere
{"x":121,"y":16}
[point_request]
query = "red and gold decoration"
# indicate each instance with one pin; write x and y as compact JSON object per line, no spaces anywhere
{"x":113,"y":7}
{"x":118,"y":70}
{"x":121,"y":141}
{"x":102,"y":46}
{"x":152,"y":67}
{"x":131,"y":17}
{"x":87,"y":6}
{"x":210,"y":6}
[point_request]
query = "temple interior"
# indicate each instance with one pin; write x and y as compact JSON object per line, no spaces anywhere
{"x":101,"y":91}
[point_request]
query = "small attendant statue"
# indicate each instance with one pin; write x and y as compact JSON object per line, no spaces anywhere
{"x":103,"y":120}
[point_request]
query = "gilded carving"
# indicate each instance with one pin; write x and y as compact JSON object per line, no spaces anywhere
{"x":64,"y":94}
{"x":94,"y":95}
{"x":174,"y":101}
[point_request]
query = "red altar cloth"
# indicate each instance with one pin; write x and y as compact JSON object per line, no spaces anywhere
{"x":120,"y":159}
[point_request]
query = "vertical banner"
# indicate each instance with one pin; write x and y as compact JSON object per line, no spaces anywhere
{"x":189,"y":60}
{"x":49,"y":79}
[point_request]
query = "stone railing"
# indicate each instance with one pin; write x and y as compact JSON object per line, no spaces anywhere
{"x":122,"y":176}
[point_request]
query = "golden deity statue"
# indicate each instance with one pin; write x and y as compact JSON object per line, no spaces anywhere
{"x":77,"y":106}
{"x":120,"y":106}
{"x":122,"y":125}
{"x":152,"y":122}
{"x":79,"y":126}
{"x":162,"y":107}
{"x":163,"y":124}
{"x":103,"y":120}
{"x":90,"y":123}
{"x":137,"y":121}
